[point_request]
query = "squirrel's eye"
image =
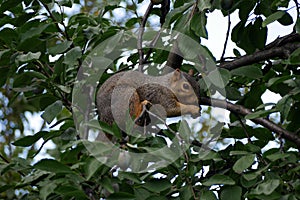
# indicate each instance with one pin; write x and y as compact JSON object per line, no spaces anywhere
{"x":186,"y":86}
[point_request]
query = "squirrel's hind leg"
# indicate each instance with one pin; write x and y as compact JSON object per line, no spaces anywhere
{"x":138,"y":110}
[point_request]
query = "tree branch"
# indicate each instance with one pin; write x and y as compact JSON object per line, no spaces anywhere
{"x":227,"y":36}
{"x":165,"y":8}
{"x":140,"y":36}
{"x":175,"y":59}
{"x":298,"y":14}
{"x":281,"y":47}
{"x":238,"y":109}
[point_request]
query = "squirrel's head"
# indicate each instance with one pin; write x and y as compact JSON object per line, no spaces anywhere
{"x":185,"y":87}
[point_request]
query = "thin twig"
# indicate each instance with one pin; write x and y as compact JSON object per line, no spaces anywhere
{"x":53,"y":18}
{"x":298,"y":13}
{"x":194,"y":10}
{"x":227,"y":36}
{"x":244,"y":128}
{"x":163,"y":121}
{"x":249,"y":139}
{"x":152,"y":44}
{"x":4,"y":159}
{"x":140,"y":37}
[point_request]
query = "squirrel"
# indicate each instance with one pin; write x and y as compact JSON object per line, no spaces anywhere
{"x":131,"y":91}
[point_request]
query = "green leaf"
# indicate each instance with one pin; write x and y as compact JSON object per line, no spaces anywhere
{"x":52,"y":111}
{"x":34,"y":31}
{"x":275,"y":16}
{"x":141,"y":193}
{"x":59,"y":48}
{"x":107,"y":184}
{"x":260,"y":113}
{"x":175,"y":13}
{"x":29,"y":140}
{"x":236,"y":52}
{"x":38,"y":175}
{"x":277,"y":80}
{"x":246,"y":7}
{"x":219,"y":179}
{"x":219,"y":77}
{"x":72,"y":56}
{"x":253,"y":148}
{"x":252,"y":72}
{"x":91,"y":167}
{"x":295,"y":57}
{"x":157,"y":185}
{"x":284,"y":105}
{"x":25,"y":79}
{"x":97,"y":148}
{"x":286,"y":19}
{"x":52,"y":166}
{"x":8,"y":35}
{"x":251,"y":178}
{"x":46,"y":190}
{"x":297,"y":25}
{"x":129,"y":176}
{"x":226,"y":4}
{"x":207,"y":155}
{"x":237,"y":153}
{"x":279,"y":3}
{"x":121,"y":196}
{"x":277,"y":156}
{"x":131,"y":22}
{"x":258,"y":34}
{"x":6,"y":188}
{"x":2,"y":52}
{"x":198,"y":25}
{"x":65,"y":89}
{"x":232,"y":93}
{"x":232,"y":193}
{"x":263,"y":134}
{"x":71,"y":191}
{"x":266,"y":187}
{"x":203,"y":5}
{"x":104,"y":127}
{"x":185,"y":192}
{"x":28,"y":57}
{"x":243,"y":163}
{"x":6,"y":5}
{"x":207,"y":195}
{"x":187,"y":48}
{"x":4,"y":75}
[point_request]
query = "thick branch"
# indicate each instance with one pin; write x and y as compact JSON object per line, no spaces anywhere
{"x":238,"y":109}
{"x":175,"y":59}
{"x":165,"y":8}
{"x":280,"y":48}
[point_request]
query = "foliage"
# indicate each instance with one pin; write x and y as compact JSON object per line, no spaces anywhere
{"x":42,"y":47}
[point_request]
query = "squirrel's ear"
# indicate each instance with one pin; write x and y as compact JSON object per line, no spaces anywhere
{"x":176,"y":75}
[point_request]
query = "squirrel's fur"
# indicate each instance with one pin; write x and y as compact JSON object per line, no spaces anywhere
{"x":177,"y":92}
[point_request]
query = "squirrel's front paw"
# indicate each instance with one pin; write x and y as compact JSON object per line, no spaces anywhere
{"x":195,"y":111}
